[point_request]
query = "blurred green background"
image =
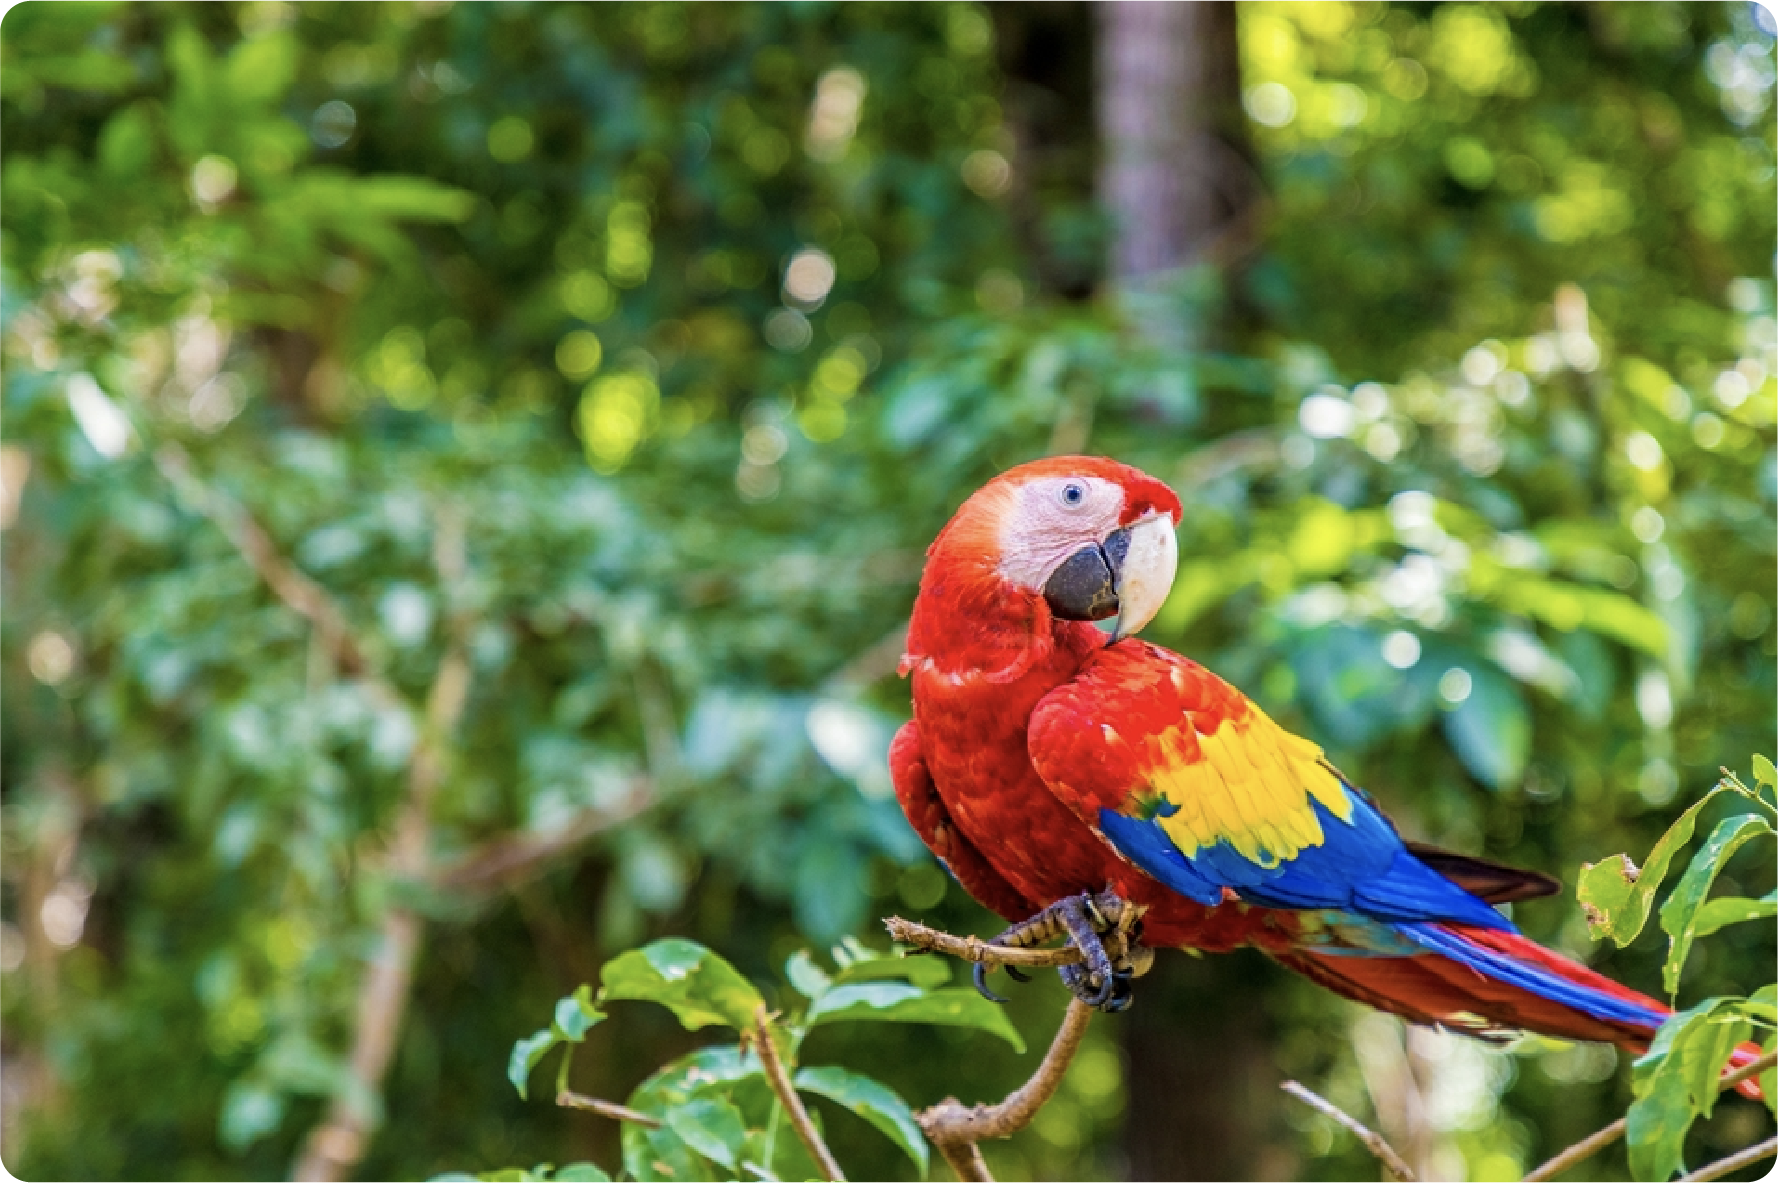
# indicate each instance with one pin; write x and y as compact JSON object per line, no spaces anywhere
{"x":619,"y":361}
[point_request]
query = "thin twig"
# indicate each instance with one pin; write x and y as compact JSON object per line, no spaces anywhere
{"x":298,"y":592}
{"x":568,"y":1099}
{"x":787,"y":1095}
{"x":972,"y":948}
{"x":1598,"y":1140}
{"x":1373,"y":1141}
{"x":510,"y":860}
{"x":1584,"y":1149}
{"x":955,"y":1130}
{"x":1733,"y":1162}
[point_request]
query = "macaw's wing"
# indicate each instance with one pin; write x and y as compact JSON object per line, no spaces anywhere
{"x":926,"y":811}
{"x":1189,"y":780}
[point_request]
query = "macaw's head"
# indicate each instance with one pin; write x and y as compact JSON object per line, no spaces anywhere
{"x":1093,"y":538}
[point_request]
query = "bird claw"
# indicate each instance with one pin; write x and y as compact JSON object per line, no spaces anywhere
{"x":980,"y":977}
{"x":1097,"y":980}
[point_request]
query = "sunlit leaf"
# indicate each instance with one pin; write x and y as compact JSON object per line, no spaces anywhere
{"x":1679,"y":914}
{"x":711,"y":1126}
{"x":696,"y":984}
{"x":1676,"y":1082}
{"x":875,"y":1102}
{"x":576,"y":1015}
{"x":1616,"y":897}
{"x":899,"y":1002}
{"x":808,"y":978}
{"x":525,"y":1055}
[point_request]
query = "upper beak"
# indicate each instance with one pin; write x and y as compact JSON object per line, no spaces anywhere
{"x":1128,"y":575}
{"x":1147,"y":575}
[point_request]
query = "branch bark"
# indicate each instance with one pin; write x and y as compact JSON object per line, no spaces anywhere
{"x":299,"y":593}
{"x":956,"y":1130}
{"x":1598,"y":1140}
{"x":974,"y":949}
{"x":787,"y":1096}
{"x":1373,"y":1141}
{"x":338,"y":1144}
{"x":569,"y":1099}
{"x":511,"y":860}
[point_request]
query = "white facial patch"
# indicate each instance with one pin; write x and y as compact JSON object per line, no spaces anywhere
{"x":1054,"y":517}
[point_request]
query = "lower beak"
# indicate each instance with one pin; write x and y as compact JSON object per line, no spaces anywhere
{"x":1128,"y":576}
{"x":1147,"y":574}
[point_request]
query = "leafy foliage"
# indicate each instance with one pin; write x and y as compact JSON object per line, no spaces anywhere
{"x":713,"y":1108}
{"x":1676,"y":1081}
{"x":1479,"y":454}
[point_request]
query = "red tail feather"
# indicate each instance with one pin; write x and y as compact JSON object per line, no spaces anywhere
{"x":1435,"y":989}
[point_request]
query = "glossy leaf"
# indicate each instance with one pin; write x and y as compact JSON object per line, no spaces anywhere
{"x":699,"y":986}
{"x":899,"y":1002}
{"x":1679,"y":915}
{"x":873,"y":1101}
{"x":576,"y":1015}
{"x":712,"y":1127}
{"x":1617,"y":897}
{"x":525,"y":1056}
{"x":1676,"y":1082}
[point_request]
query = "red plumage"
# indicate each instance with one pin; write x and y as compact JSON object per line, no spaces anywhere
{"x":985,"y":649}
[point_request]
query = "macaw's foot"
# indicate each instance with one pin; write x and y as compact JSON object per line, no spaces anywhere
{"x":1105,"y":930}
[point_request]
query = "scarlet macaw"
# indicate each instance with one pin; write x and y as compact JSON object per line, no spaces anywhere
{"x":1047,"y":760}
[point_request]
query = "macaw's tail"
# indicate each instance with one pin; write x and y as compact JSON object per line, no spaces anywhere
{"x":1488,"y":982}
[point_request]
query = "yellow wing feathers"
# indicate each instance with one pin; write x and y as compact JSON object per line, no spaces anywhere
{"x":1248,"y":782}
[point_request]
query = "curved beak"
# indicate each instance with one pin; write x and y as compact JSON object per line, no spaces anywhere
{"x":1128,"y":575}
{"x":1147,"y":575}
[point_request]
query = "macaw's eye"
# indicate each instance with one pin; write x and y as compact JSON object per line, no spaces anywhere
{"x":1073,"y":494}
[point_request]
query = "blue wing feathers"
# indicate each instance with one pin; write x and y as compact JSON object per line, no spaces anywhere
{"x":1532,"y":978}
{"x":1362,"y":866}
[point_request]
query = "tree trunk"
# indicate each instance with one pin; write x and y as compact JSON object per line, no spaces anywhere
{"x":1174,"y":173}
{"x":1175,"y":178}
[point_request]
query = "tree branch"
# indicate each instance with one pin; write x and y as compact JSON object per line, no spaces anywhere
{"x":298,"y":592}
{"x":1598,"y":1140}
{"x":787,"y":1096}
{"x":1373,"y":1141}
{"x":1733,"y":1162}
{"x":337,"y":1145}
{"x":975,"y":949}
{"x":569,"y":1099}
{"x":510,"y":860}
{"x":955,"y":1130}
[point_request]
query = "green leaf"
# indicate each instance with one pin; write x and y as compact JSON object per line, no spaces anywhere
{"x":695,"y":984}
{"x":1763,"y":772}
{"x":581,"y":1172}
{"x":1720,"y":913}
{"x":1679,"y":913}
{"x":662,"y":1153}
{"x":1676,"y":1082}
{"x":1616,"y":897}
{"x":525,"y":1055}
{"x":712,"y":1127}
{"x":810,"y":980}
{"x":577,"y":1014}
{"x":1762,"y":1004}
{"x":1491,"y":729}
{"x":875,"y":1102}
{"x":1768,"y":1080}
{"x":858,"y":962}
{"x":898,"y":1002}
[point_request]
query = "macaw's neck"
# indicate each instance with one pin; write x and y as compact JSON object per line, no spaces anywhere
{"x":969,"y":620}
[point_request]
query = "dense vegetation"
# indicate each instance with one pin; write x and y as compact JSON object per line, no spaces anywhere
{"x":608,"y":368}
